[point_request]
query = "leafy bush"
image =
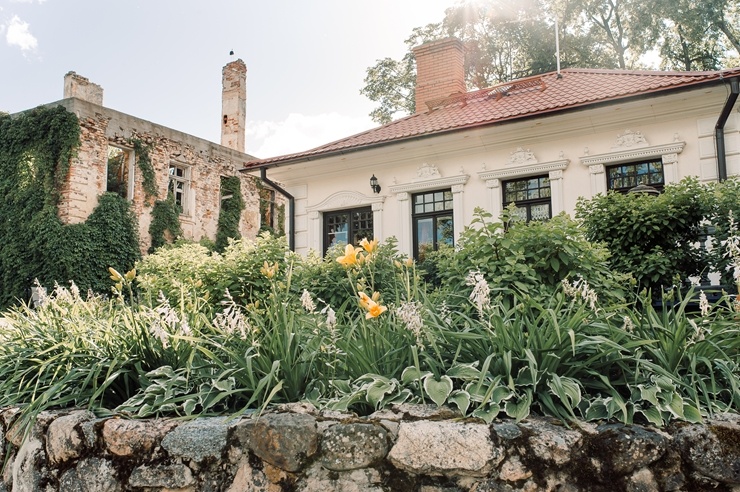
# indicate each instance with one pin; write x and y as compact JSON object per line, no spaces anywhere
{"x":529,"y":258}
{"x":651,"y":237}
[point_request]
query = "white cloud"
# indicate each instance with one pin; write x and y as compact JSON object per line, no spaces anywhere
{"x":18,"y":35}
{"x":300,"y":132}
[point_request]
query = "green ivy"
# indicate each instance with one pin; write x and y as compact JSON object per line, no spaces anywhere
{"x":231,"y":211}
{"x":141,"y":150}
{"x":36,"y":149}
{"x":165,"y":220}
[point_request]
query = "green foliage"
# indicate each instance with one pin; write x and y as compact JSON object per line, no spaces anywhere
{"x":569,"y":352}
{"x":651,"y":237}
{"x":35,"y":152}
{"x":505,"y":41}
{"x":165,"y":225}
{"x":141,"y":151}
{"x":230,"y":213}
{"x":530,"y":258}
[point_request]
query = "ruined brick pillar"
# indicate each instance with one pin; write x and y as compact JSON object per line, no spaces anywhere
{"x":234,"y":105}
{"x":81,"y":88}
{"x":440,"y":71}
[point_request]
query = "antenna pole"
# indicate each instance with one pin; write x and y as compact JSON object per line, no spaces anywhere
{"x":557,"y":45}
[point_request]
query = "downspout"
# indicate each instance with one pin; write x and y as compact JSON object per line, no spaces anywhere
{"x":291,"y":204}
{"x":719,"y":129}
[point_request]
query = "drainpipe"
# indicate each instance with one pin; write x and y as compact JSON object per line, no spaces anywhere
{"x":291,"y":204}
{"x":719,"y":129}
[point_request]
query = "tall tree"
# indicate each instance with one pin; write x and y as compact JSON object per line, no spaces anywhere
{"x":506,"y":39}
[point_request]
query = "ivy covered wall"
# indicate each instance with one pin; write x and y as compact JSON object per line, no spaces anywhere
{"x":36,"y":149}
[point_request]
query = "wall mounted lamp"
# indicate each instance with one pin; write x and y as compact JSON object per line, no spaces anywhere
{"x":374,"y":184}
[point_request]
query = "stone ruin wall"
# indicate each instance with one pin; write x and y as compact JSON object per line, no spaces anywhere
{"x":101,"y":127}
{"x":410,"y":448}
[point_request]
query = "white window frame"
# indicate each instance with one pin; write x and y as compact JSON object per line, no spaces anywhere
{"x":186,"y":202}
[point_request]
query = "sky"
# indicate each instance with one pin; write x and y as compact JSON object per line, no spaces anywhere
{"x":161,"y":60}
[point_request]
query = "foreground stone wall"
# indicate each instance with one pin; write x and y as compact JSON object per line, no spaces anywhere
{"x":409,"y":448}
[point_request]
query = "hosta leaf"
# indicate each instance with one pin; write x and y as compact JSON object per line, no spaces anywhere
{"x":461,"y":399}
{"x":412,"y":373}
{"x":438,"y":391}
{"x":501,"y":393}
{"x":692,"y":414}
{"x":487,"y":412}
{"x":188,"y":406}
{"x":377,"y":390}
{"x":464,"y":371}
{"x":567,"y":389}
{"x":518,"y":409}
{"x":652,"y":414}
{"x":596,"y":411}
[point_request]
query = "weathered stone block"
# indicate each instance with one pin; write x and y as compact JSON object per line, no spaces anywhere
{"x":351,"y":446}
{"x":713,"y":450}
{"x":128,"y":438}
{"x":551,"y":442}
{"x":284,"y":440}
{"x":623,"y":449}
{"x":91,"y":475}
{"x":170,"y":476}
{"x":198,"y":440}
{"x":65,"y":439}
{"x":445,"y":448}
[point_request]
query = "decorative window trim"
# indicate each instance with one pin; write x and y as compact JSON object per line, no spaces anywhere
{"x":403,"y":191}
{"x":523,"y":171}
{"x":668,"y":153}
{"x":338,"y":201}
{"x":347,"y":199}
{"x":430,"y":184}
{"x":634,"y":154}
{"x":554,"y":169}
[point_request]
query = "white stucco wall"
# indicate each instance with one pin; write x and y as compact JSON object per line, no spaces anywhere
{"x":572,"y":148}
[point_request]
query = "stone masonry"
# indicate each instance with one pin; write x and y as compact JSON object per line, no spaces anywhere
{"x":409,"y":448}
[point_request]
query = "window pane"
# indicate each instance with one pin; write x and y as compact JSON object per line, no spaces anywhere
{"x":425,"y":233}
{"x":519,"y":213}
{"x":445,"y":232}
{"x":540,"y":211}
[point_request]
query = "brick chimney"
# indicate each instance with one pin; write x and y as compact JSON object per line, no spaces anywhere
{"x":234,"y":105}
{"x":81,"y":88}
{"x":440,"y":71}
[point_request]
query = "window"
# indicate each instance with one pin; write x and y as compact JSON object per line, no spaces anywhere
{"x":179,"y":186}
{"x":623,"y":177}
{"x":530,"y":196}
{"x":347,"y":226}
{"x":118,"y":171}
{"x":432,"y":221}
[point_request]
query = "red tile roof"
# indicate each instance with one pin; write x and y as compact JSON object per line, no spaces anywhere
{"x":532,"y":96}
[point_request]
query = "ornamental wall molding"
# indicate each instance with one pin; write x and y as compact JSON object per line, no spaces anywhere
{"x":520,"y":157}
{"x":630,"y":139}
{"x":429,"y":184}
{"x":530,"y":170}
{"x":634,"y":154}
{"x":427,"y":171}
{"x":347,"y":199}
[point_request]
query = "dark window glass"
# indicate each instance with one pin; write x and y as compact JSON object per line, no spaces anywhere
{"x":432,"y":221}
{"x":530,"y":196}
{"x":347,"y":226}
{"x":624,"y":177}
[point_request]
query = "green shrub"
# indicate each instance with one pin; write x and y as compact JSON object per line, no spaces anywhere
{"x":529,"y":258}
{"x":651,"y":237}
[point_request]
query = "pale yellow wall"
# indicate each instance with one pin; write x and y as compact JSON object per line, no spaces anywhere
{"x":679,"y":127}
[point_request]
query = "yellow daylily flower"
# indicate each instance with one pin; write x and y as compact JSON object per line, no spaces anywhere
{"x":114,"y":275}
{"x":369,"y":246}
{"x":350,"y":256}
{"x":375,"y":310}
{"x":364,"y":300}
{"x":131,"y":274}
{"x":268,"y":270}
{"x":409,"y":262}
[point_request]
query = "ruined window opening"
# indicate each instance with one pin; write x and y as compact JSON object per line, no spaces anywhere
{"x":119,"y":170}
{"x":268,"y":205}
{"x":179,"y":187}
